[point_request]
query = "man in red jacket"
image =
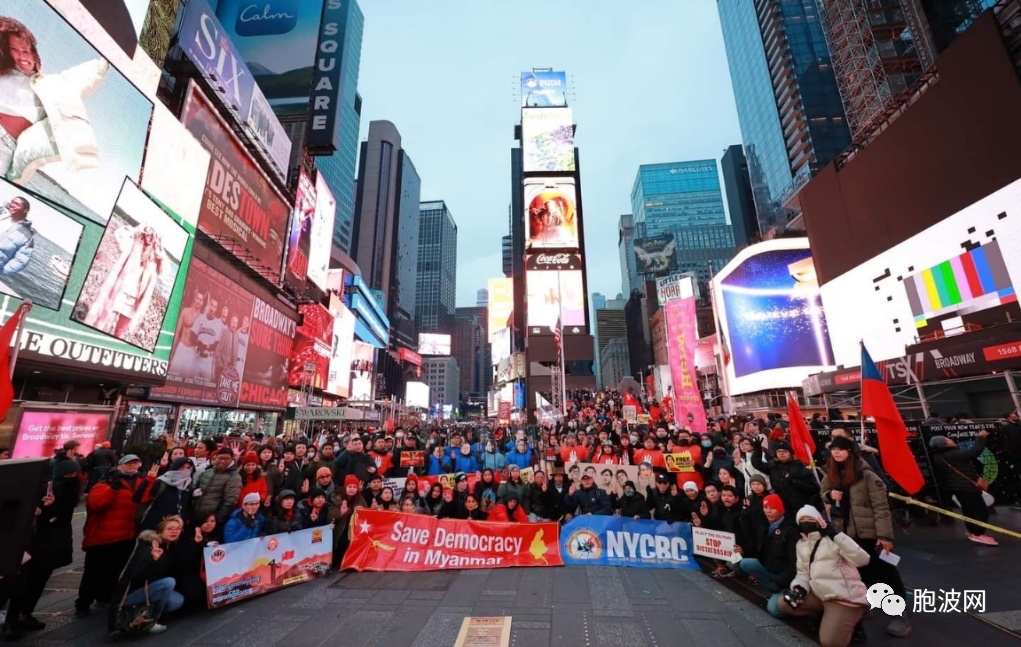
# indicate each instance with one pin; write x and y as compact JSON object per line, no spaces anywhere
{"x":110,"y":531}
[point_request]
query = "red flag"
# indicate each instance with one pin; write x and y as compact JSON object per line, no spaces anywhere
{"x":801,"y":439}
{"x":876,"y":401}
{"x":6,"y":336}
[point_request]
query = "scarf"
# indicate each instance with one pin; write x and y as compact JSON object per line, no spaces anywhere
{"x":179,"y":479}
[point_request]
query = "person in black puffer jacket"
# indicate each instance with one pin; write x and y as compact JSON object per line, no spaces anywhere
{"x":168,"y":495}
{"x":661,"y":500}
{"x":591,"y":499}
{"x":788,"y":476}
{"x":285,"y":516}
{"x":631,"y":504}
{"x":956,"y":473}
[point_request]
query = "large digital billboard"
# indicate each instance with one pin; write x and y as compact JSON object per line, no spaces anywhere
{"x":552,"y":294}
{"x":204,"y":41}
{"x":417,"y":394}
{"x":433,"y":344}
{"x":40,"y":246}
{"x":501,"y":345}
{"x":551,"y":213}
{"x":339,"y":380}
{"x":74,"y":126}
{"x":543,"y":89}
{"x":240,"y":209}
{"x":960,"y":272}
{"x":299,"y":238}
{"x":547,"y":140}
{"x":310,"y":353}
{"x":278,"y":40}
{"x":501,"y":304}
{"x":230,"y":349}
{"x":322,"y":233}
{"x":176,"y":166}
{"x":363,"y":371}
{"x":128,"y":288}
{"x":769,"y":310}
{"x":656,"y":254}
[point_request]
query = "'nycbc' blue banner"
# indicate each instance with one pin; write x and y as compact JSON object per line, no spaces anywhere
{"x":618,"y":541}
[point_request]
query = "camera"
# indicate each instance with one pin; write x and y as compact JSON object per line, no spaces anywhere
{"x":794,"y":597}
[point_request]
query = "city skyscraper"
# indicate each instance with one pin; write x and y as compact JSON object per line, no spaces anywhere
{"x":437,"y":268}
{"x":443,"y":377}
{"x":702,"y":249}
{"x":678,"y":194}
{"x":482,"y":358}
{"x":626,"y":249}
{"x":386,"y":226}
{"x":792,"y":119}
{"x":609,"y":324}
{"x":467,"y":348}
{"x":740,"y":202}
{"x":482,"y":297}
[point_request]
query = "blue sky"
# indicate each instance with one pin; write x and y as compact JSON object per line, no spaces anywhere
{"x":649,"y":81}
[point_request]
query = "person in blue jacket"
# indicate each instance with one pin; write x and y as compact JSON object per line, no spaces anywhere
{"x":246,"y":523}
{"x":439,"y":462}
{"x":17,"y":240}
{"x":492,"y":459}
{"x":465,"y":462}
{"x":520,"y":455}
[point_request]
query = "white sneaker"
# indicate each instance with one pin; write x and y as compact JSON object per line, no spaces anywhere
{"x":157,"y":629}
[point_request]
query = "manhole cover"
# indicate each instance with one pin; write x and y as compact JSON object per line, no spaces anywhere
{"x":420,"y":581}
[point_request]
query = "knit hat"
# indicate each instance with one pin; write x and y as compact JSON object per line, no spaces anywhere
{"x":809,"y":511}
{"x":225,"y":451}
{"x":375,"y":477}
{"x":179,"y":463}
{"x":689,"y":485}
{"x":773,"y":501}
{"x":757,"y":478}
{"x":839,"y":442}
{"x":630,"y":484}
{"x":938,"y":442}
{"x":251,"y":497}
{"x":289,"y":448}
{"x":286,"y":494}
{"x":351,"y":479}
{"x":250,"y":457}
{"x":785,"y":446}
{"x":323,"y":471}
{"x":65,"y":468}
{"x":105,"y":444}
{"x":314,"y":492}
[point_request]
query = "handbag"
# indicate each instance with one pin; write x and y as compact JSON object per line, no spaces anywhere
{"x":137,"y":618}
{"x":979,"y":482}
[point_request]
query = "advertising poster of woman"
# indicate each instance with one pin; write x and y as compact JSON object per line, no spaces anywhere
{"x":128,"y":287}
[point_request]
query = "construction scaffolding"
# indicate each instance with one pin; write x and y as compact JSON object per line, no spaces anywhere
{"x":878,"y":48}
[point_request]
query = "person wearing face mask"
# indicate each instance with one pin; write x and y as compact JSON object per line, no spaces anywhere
{"x":827,"y":583}
{"x":631,"y":504}
{"x":492,"y":459}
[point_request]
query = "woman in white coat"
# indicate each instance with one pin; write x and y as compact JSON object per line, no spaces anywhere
{"x":827,"y":580}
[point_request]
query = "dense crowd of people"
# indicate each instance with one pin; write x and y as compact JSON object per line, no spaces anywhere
{"x":813,"y":539}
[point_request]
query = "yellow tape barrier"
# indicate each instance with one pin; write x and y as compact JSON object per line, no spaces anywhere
{"x":954,"y":515}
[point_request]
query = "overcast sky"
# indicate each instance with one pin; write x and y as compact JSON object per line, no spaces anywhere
{"x":649,"y":81}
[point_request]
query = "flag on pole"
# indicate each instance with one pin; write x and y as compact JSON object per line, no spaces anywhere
{"x":894,"y":453}
{"x":557,"y":332}
{"x":6,"y":336}
{"x":801,"y":439}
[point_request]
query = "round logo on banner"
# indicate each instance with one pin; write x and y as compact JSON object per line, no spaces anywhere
{"x":218,"y":555}
{"x":584,"y":544}
{"x":272,"y":544}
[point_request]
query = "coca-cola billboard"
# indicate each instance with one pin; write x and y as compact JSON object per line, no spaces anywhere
{"x":554,"y":261}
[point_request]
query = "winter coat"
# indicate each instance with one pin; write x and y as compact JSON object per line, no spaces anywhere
{"x":465,"y":464}
{"x":756,"y":523}
{"x":777,"y":550}
{"x":17,"y":243}
{"x":111,"y":509}
{"x":509,"y":489}
{"x":492,"y":461}
{"x":240,"y":528}
{"x":560,"y":502}
{"x":949,"y":462}
{"x":500,"y":513}
{"x":142,"y":568}
{"x":592,"y":500}
{"x":162,"y":500}
{"x":732,"y":520}
{"x":437,"y":466}
{"x":792,"y":481}
{"x":864,"y":509}
{"x":632,"y":506}
{"x":272,"y":476}
{"x":360,"y":464}
{"x":52,"y":541}
{"x":305,"y":510}
{"x":277,"y":521}
{"x":665,"y":505}
{"x":521,"y":459}
{"x":258,"y":486}
{"x":221,"y":491}
{"x":833,"y":573}
{"x":538,"y":502}
{"x":312,"y":468}
{"x":292,"y":476}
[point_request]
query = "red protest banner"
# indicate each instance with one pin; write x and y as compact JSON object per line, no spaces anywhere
{"x":396,"y":541}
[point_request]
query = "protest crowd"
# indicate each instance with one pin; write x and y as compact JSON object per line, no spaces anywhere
{"x":811,"y":536}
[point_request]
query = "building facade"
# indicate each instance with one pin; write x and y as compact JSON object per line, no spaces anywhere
{"x":674,"y":195}
{"x":740,"y":201}
{"x":467,"y":349}
{"x":615,"y":363}
{"x":792,"y":119}
{"x":703,"y":250}
{"x":405,"y":261}
{"x":437,"y":268}
{"x":483,"y":359}
{"x":626,"y":249}
{"x":444,"y":380}
{"x":482,"y":297}
{"x":610,"y":325}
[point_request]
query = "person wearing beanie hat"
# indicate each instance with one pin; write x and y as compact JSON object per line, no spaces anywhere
{"x":253,"y":481}
{"x":860,"y":508}
{"x":342,"y":506}
{"x":958,"y":477}
{"x":826,"y":583}
{"x":247,"y":522}
{"x":313,"y":510}
{"x":788,"y":476}
{"x":771,"y":557}
{"x":284,"y":516}
{"x":323,"y":479}
{"x":631,"y":504}
{"x":773,"y":501}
